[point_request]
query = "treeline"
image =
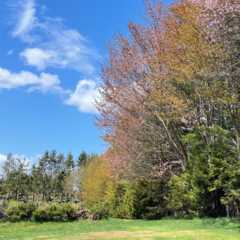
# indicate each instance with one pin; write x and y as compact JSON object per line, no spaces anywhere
{"x":54,"y":177}
{"x":170,"y":108}
{"x":49,"y":190}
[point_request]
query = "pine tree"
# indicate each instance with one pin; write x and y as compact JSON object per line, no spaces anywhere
{"x":69,"y":163}
{"x":83,"y":157}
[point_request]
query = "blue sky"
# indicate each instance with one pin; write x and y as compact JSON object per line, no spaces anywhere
{"x":50,"y":57}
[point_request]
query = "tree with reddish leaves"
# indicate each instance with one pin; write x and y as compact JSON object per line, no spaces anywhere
{"x":177,"y":78}
{"x":141,"y":110}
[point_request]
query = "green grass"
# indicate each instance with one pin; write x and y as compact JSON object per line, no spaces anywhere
{"x":114,"y":229}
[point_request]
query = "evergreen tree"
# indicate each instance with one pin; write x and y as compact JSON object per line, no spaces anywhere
{"x":69,"y":162}
{"x":16,"y":180}
{"x":82,"y":159}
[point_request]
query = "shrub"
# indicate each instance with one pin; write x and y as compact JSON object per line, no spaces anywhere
{"x":41,"y":213}
{"x":17,"y":211}
{"x":70,"y":211}
{"x":82,"y":214}
{"x":98,"y":213}
{"x":2,"y":215}
{"x":58,"y":212}
{"x":20,"y":211}
{"x":52,"y":212}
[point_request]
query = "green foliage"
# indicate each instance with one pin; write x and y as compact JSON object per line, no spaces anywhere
{"x":212,"y":169}
{"x":17,"y":211}
{"x":98,"y":212}
{"x":140,"y":199}
{"x":69,"y":162}
{"x":41,"y":213}
{"x":16,"y":180}
{"x":182,"y":197}
{"x":128,"y":205}
{"x":151,"y":199}
{"x":82,"y":159}
{"x":120,"y":199}
{"x":55,"y":212}
{"x":94,"y":181}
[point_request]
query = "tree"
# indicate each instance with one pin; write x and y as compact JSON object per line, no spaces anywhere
{"x":143,"y":110}
{"x":211,"y":171}
{"x":72,"y":186}
{"x":16,"y":180}
{"x":49,"y":175}
{"x":94,"y":181}
{"x":183,"y":196}
{"x":69,"y":162}
{"x":173,"y":79}
{"x":82,"y":159}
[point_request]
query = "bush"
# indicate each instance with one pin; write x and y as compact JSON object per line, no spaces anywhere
{"x":59,"y":212}
{"x":70,"y":211}
{"x":82,"y":214}
{"x":2,"y":215}
{"x":98,"y":213}
{"x":18,"y":211}
{"x":41,"y":213}
{"x":52,"y":212}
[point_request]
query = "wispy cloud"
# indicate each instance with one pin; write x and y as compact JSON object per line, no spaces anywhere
{"x":26,"y":19}
{"x":60,"y":47}
{"x":37,"y":57}
{"x":84,"y":97}
{"x":51,"y":42}
{"x":43,"y":81}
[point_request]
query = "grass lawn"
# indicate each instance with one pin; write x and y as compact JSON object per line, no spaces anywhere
{"x":114,"y":229}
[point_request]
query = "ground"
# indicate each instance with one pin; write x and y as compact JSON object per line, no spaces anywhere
{"x":114,"y":229}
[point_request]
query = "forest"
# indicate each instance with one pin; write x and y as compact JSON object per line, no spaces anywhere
{"x":170,"y":113}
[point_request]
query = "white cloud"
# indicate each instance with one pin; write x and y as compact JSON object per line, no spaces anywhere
{"x":84,"y":97}
{"x":52,"y":44}
{"x":43,"y":81}
{"x":37,"y":57}
{"x":2,"y":158}
{"x":26,"y":19}
{"x":61,"y":47}
{"x":49,"y":43}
